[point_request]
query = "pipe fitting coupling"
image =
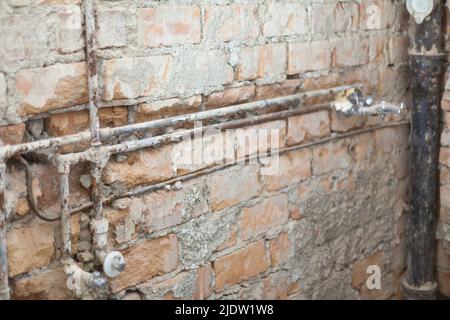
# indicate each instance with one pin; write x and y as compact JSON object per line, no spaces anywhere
{"x":420,"y":9}
{"x":114,"y":264}
{"x":83,"y":283}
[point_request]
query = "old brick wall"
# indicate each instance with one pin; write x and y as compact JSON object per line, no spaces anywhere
{"x":310,"y":231}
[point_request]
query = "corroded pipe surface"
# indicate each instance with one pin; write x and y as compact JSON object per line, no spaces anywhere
{"x":426,"y":61}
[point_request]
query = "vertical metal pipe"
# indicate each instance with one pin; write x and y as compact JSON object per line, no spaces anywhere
{"x":64,"y":193}
{"x":96,"y":192}
{"x":426,"y":60}
{"x":4,"y":286}
{"x":96,"y":166}
{"x":91,"y":61}
{"x":99,"y":224}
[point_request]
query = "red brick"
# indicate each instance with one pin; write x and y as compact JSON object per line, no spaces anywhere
{"x":260,"y":139}
{"x":167,"y":108}
{"x":230,"y":97}
{"x":331,"y":157}
{"x":240,"y":265}
{"x":168,"y":25}
{"x":146,"y":260}
{"x":48,"y":285}
{"x":268,"y":61}
{"x":342,"y":123}
{"x":442,"y":256}
{"x":214,"y":147}
{"x":445,"y":104}
{"x":233,"y":186}
{"x":377,"y":48}
{"x":444,"y":175}
{"x":53,"y":87}
{"x":311,"y":56}
{"x":111,"y":28}
{"x":163,"y":209}
{"x":294,"y":167}
{"x":204,"y":288}
{"x":443,"y":280}
{"x":351,"y":52}
{"x":30,"y":248}
{"x":12,"y":134}
{"x":231,"y":241}
{"x":275,"y":90}
{"x":73,"y":122}
{"x":398,"y":49}
{"x":273,"y":287}
{"x":359,"y":271}
{"x":270,"y":213}
{"x":142,"y":167}
{"x":393,"y":80}
{"x":23,"y":36}
{"x":339,"y":17}
{"x":444,"y":156}
{"x":308,"y":127}
{"x":69,"y":28}
{"x":231,"y":22}
{"x":285,"y":19}
{"x":128,"y":78}
{"x":280,"y":249}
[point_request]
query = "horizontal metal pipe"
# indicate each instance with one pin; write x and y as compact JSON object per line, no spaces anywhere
{"x":202,"y":172}
{"x":133,"y":145}
{"x":11,"y":150}
{"x":221,"y":112}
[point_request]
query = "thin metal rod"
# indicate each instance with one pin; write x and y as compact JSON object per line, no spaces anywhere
{"x":11,"y":150}
{"x":97,"y":163}
{"x":140,"y":190}
{"x":96,"y":194}
{"x":64,"y":194}
{"x":294,"y":99}
{"x":4,"y":286}
{"x":30,"y":193}
{"x":91,"y":63}
{"x":99,"y":236}
{"x":133,"y":145}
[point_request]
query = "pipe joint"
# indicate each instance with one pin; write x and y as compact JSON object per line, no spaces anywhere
{"x":85,"y":284}
{"x":420,"y":9}
{"x":355,"y":103}
{"x":98,"y":156}
{"x":426,"y":291}
{"x":61,"y":164}
{"x":114,"y":264}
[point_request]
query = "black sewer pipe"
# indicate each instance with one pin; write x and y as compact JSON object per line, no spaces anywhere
{"x":426,"y":63}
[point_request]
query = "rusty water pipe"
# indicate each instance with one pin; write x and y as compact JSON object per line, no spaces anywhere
{"x":4,"y":286}
{"x":134,"y":145}
{"x":79,"y":281}
{"x":10,"y":150}
{"x":426,"y":61}
{"x":99,"y":234}
{"x":91,"y":66}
